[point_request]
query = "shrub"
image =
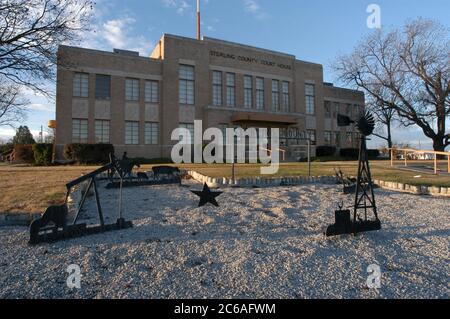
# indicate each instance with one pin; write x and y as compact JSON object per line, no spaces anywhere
{"x":88,"y":153}
{"x":23,"y":153}
{"x":322,"y":151}
{"x":42,"y":154}
{"x":352,"y":153}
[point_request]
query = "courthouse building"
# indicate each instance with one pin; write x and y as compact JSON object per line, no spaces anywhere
{"x":136,"y":102}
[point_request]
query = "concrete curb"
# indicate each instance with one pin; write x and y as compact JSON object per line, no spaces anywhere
{"x":18,"y":219}
{"x":302,"y":180}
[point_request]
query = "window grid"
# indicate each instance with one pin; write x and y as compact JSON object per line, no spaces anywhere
{"x":217,"y":88}
{"x":327,"y":137}
{"x":132,"y":89}
{"x":151,"y":133}
{"x":131,"y":133}
{"x":260,"y":93}
{"x":81,"y":85}
{"x":337,"y":139}
{"x":248,"y":92}
{"x":101,"y":131}
{"x":102,"y":87}
{"x":286,"y":97}
{"x":309,"y":98}
{"x":79,"y":131}
{"x":275,"y":96}
{"x":327,"y":108}
{"x":336,"y":109}
{"x":231,"y":89}
{"x":186,"y":85}
{"x":152,"y":92}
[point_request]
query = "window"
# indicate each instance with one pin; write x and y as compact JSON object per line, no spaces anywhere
{"x":217,"y":88}
{"x":311,"y":135}
{"x":151,"y":92}
{"x":309,"y":96}
{"x":132,"y":89}
{"x":248,"y":92}
{"x":101,"y":131}
{"x":275,"y":96}
{"x":348,"y":109}
{"x":336,"y":109}
{"x":79,"y":131}
{"x":151,"y":133}
{"x":260,"y":93}
{"x":190,"y":128}
{"x":327,"y":107}
{"x":337,"y":139}
{"x":286,"y":99}
{"x":102,"y":87}
{"x":231,"y":89}
{"x":131,"y":133}
{"x":186,"y":84}
{"x":348,"y":138}
{"x":81,"y":85}
{"x":356,"y":138}
{"x":327,"y":137}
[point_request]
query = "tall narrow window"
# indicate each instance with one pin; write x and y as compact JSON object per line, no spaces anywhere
{"x":131,"y":133}
{"x":348,"y":109}
{"x":260,"y":93}
{"x":81,"y":85}
{"x":101,"y":131}
{"x":286,"y":97}
{"x":275,"y":96}
{"x":309,"y":99}
{"x":152,"y":92}
{"x":102,"y":87}
{"x":132,"y":90}
{"x":190,"y":128}
{"x":336,"y":109}
{"x":248,"y":92}
{"x":327,"y":137}
{"x":231,"y":89}
{"x":217,"y":88}
{"x":186,"y":84}
{"x":151,"y":133}
{"x":337,"y":139}
{"x":327,"y":108}
{"x":348,"y":138}
{"x":79,"y":131}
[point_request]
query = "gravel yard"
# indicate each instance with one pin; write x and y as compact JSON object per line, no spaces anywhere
{"x":260,"y":243}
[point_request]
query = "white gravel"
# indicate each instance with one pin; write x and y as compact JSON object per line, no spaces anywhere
{"x":261,"y":243}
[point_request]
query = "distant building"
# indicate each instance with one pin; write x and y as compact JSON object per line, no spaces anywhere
{"x":136,"y":102}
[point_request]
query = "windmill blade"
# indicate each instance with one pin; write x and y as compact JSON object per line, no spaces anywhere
{"x":366,"y":124}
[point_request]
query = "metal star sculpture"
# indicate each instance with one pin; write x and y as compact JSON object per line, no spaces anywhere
{"x":207,"y":196}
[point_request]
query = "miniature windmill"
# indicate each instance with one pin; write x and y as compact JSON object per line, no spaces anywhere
{"x":364,"y":195}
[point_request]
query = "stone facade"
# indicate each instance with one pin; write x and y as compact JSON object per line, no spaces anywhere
{"x":205,"y":56}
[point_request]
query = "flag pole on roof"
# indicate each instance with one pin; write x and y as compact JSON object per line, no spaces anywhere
{"x":198,"y":21}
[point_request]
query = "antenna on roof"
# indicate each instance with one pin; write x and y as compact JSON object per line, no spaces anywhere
{"x":198,"y":21}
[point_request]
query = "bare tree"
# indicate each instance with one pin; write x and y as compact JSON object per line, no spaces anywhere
{"x":408,"y":71}
{"x":12,"y":104}
{"x":30,"y":33}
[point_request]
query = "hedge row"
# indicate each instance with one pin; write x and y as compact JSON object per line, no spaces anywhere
{"x":88,"y":153}
{"x":42,"y":154}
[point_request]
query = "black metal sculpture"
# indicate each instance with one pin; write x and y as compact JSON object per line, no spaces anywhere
{"x":349,"y":184}
{"x":162,"y":175}
{"x":364,"y":197}
{"x":207,"y":196}
{"x":57,"y":215}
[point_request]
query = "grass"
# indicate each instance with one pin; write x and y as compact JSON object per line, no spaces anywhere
{"x":28,"y":189}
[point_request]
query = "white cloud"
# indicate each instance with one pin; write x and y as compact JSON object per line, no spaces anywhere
{"x":181,"y":6}
{"x":253,"y":7}
{"x":41,"y":107}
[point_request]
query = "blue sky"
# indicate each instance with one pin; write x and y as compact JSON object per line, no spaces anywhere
{"x":315,"y":31}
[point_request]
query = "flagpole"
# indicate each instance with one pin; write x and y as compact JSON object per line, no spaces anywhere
{"x":198,"y":21}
